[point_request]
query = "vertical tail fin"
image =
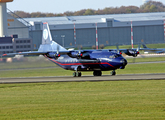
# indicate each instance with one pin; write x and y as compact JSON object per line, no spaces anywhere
{"x":144,"y":46}
{"x":47,"y":43}
{"x":46,"y":36}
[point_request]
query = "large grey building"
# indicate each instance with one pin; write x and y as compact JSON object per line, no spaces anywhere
{"x":17,"y":37}
{"x":112,"y":29}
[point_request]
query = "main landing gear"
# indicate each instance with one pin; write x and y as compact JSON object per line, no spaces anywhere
{"x":97,"y":73}
{"x":77,"y":74}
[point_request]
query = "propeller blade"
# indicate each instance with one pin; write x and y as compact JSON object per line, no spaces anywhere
{"x":79,"y":49}
{"x":138,"y":47}
{"x":117,"y":46}
{"x":58,"y":49}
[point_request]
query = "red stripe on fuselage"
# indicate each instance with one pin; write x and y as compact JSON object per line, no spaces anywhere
{"x":80,"y":63}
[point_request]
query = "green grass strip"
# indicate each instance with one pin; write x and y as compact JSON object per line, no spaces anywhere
{"x":129,"y":69}
{"x":111,"y":100}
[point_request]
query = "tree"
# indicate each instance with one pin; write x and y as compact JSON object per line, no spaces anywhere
{"x":81,"y":12}
{"x":89,"y":12}
{"x":21,"y":14}
{"x":151,"y":6}
{"x":68,"y":13}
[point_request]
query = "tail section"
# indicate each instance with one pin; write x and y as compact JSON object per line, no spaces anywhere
{"x":46,"y":36}
{"x":48,"y":45}
{"x":144,"y":46}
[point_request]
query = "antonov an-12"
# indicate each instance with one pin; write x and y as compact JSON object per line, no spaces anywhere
{"x":77,"y":60}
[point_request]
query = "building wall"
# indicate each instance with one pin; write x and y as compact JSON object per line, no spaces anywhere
{"x":22,"y":45}
{"x":15,"y":45}
{"x":15,"y":27}
{"x":37,"y":38}
{"x":109,"y":33}
{"x":149,"y":34}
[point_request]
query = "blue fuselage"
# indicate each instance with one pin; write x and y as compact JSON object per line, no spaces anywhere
{"x":99,"y":60}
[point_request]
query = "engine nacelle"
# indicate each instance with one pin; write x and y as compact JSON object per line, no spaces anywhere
{"x":53,"y":55}
{"x":79,"y":55}
{"x":131,"y":52}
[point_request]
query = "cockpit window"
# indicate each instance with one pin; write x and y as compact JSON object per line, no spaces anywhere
{"x":115,"y":56}
{"x":111,"y":56}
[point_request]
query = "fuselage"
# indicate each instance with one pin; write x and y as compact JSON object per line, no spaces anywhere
{"x":99,"y":60}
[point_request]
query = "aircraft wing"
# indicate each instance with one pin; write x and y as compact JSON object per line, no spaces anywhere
{"x":121,"y":50}
{"x":25,"y":53}
{"x":153,"y":50}
{"x":129,"y":52}
{"x":33,"y":53}
{"x":150,"y":50}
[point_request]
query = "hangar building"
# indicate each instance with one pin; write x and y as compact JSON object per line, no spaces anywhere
{"x":112,"y":29}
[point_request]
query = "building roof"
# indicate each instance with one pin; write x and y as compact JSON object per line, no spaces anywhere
{"x":99,"y":18}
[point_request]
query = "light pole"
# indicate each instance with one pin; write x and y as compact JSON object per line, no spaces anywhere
{"x":63,"y":37}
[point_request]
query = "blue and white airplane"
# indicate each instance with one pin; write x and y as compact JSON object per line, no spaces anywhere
{"x":130,"y":52}
{"x":77,"y":60}
{"x":153,"y":50}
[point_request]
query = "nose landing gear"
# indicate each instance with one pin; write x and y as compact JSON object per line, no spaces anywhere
{"x":113,"y":73}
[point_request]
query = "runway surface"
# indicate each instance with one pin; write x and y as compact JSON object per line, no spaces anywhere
{"x":85,"y":78}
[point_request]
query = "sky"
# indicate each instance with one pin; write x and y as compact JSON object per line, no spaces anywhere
{"x":61,"y":6}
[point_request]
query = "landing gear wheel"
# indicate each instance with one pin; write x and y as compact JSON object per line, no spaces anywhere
{"x":113,"y":72}
{"x":76,"y":74}
{"x":97,"y":73}
{"x":79,"y":74}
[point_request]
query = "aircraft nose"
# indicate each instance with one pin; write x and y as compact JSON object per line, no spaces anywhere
{"x":124,"y":62}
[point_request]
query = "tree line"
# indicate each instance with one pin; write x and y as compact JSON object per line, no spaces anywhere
{"x":151,"y":6}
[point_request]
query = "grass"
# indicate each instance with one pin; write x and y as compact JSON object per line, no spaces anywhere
{"x":107,"y":100}
{"x":117,"y":100}
{"x":145,"y":59}
{"x":130,"y":69}
{"x":30,"y":62}
{"x":162,"y":45}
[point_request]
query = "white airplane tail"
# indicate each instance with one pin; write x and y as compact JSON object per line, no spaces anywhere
{"x":48,"y":44}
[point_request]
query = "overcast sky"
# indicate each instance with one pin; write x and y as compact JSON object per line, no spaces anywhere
{"x":61,"y":6}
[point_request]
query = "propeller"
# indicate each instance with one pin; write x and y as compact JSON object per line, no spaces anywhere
{"x":58,"y":49}
{"x":79,"y":52}
{"x":138,"y":47}
{"x":118,"y":51}
{"x":57,"y":55}
{"x":137,"y":50}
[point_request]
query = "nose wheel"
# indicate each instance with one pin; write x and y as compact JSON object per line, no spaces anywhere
{"x":113,"y":73}
{"x":77,"y":74}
